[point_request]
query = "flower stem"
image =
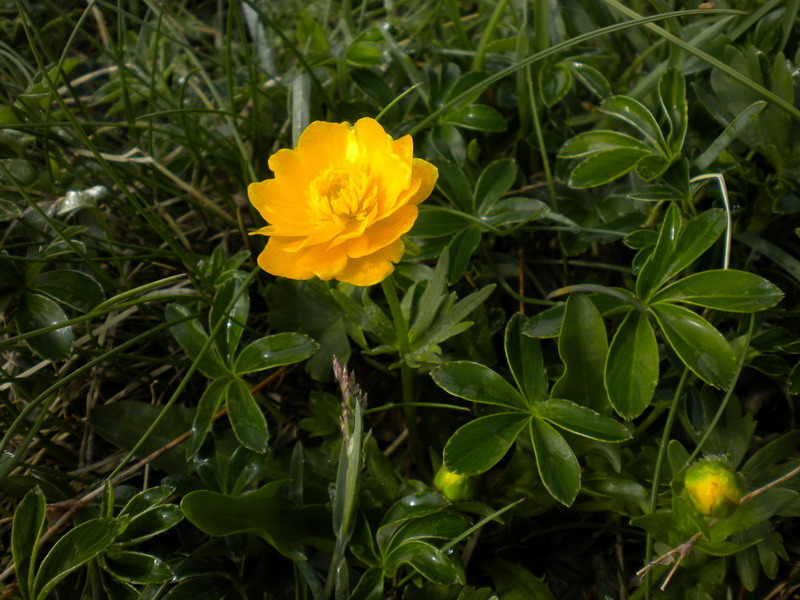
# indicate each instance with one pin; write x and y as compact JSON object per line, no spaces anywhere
{"x":406,"y":375}
{"x":662,"y":452}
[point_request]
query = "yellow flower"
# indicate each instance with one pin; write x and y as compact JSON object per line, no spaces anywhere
{"x":453,"y":485}
{"x":713,"y":487}
{"x":340,"y":202}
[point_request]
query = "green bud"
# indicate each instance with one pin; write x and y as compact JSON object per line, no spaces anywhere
{"x":453,"y":485}
{"x":713,"y":487}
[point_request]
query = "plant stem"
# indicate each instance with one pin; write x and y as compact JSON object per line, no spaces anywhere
{"x":662,"y":451}
{"x":406,"y":376}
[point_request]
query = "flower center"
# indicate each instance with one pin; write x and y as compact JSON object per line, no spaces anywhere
{"x":345,"y":194}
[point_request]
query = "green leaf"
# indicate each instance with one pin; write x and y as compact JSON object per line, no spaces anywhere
{"x":598,"y":140}
{"x":209,"y":403}
{"x":583,"y":346}
{"x":655,"y":192}
{"x":149,"y":523}
{"x":437,"y":221}
{"x":604,"y":166}
{"x":243,"y":467}
{"x":36,"y":312}
{"x":442,"y":525}
{"x":735,"y":128}
{"x":747,"y":566}
{"x":370,"y":585}
{"x":495,"y":180}
{"x":479,"y":117}
{"x":508,"y":211}
{"x":246,"y":417}
{"x":554,"y":82}
{"x":766,"y":457}
{"x":76,"y":547}
{"x":697,"y":237}
{"x":431,"y":299}
{"x":308,"y":307}
{"x":779,"y":256}
{"x":656,"y":269}
{"x":69,"y":287}
{"x":455,"y":186}
{"x":480,"y":444}
{"x":546,"y":324}
{"x":448,"y":323}
{"x":754,"y":511}
{"x":364,"y":54}
{"x":123,"y":423}
{"x":635,"y":114}
{"x":147,"y":499}
{"x":265,"y":512}
{"x":213,"y":586}
{"x":672,"y":93}
{"x":651,"y":166}
{"x":556,"y":461}
{"x":730,"y":290}
{"x":233,"y":321}
{"x":582,"y":421}
{"x":192,"y":337}
{"x":515,"y":582}
{"x":631,"y":370}
{"x":590,"y":77}
{"x":137,"y":567}
{"x":460,"y":249}
{"x":701,"y":347}
{"x":477,"y":383}
{"x":412,"y":506}
{"x":466,"y":82}
{"x":427,"y":560}
{"x":25,"y":531}
{"x":274,"y":351}
{"x":524,"y":355}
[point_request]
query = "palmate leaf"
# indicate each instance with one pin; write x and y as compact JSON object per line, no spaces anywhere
{"x":556,"y":461}
{"x":631,"y":370}
{"x":524,"y":356}
{"x":480,"y":444}
{"x":606,"y":165}
{"x":246,"y":418}
{"x":583,"y":346}
{"x":730,"y":290}
{"x":477,"y":383}
{"x":657,"y":268}
{"x":582,"y":421}
{"x":698,"y":344}
{"x":635,"y":114}
{"x":590,"y":142}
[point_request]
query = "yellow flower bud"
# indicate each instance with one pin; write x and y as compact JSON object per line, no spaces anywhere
{"x":453,"y":485}
{"x":713,"y":487}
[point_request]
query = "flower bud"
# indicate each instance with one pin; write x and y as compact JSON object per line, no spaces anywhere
{"x":713,"y":487}
{"x":453,"y":485}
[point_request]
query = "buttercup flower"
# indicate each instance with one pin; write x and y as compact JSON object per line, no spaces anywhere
{"x":713,"y":487}
{"x":340,"y":202}
{"x":453,"y":485}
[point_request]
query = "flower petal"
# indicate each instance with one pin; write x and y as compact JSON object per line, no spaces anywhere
{"x":323,"y":145}
{"x":279,"y":206}
{"x":382,"y":233}
{"x":300,"y":264}
{"x":427,"y":174}
{"x":372,"y":269}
